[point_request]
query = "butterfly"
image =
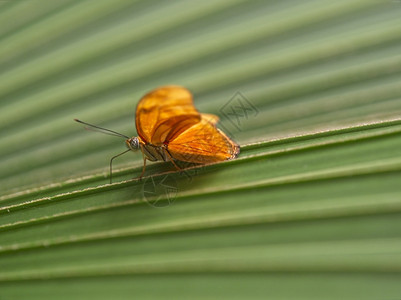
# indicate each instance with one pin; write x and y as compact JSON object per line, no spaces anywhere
{"x":170,"y":128}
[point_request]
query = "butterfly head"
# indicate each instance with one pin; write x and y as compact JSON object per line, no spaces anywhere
{"x":132,"y":143}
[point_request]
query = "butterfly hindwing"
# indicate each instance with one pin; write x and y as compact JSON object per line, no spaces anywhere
{"x":203,"y":143}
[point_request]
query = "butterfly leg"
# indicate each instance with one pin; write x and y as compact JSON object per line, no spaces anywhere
{"x":144,"y":164}
{"x":171,"y":159}
{"x":144,"y":168}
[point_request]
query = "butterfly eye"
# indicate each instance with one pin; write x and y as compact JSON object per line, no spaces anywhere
{"x":132,"y":143}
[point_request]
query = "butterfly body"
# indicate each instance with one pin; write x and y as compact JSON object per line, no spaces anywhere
{"x":155,"y":153}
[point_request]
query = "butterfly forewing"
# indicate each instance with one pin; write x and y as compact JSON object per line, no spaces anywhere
{"x":164,"y":113}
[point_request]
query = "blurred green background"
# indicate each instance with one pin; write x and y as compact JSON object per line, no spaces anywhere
{"x":310,"y":209}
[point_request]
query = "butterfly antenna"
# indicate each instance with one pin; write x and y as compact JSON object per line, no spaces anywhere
{"x":100,"y":129}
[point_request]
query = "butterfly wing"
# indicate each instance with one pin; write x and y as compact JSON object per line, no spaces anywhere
{"x":203,"y":143}
{"x":164,"y":113}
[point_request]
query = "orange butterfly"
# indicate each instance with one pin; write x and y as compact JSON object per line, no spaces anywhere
{"x":170,"y":128}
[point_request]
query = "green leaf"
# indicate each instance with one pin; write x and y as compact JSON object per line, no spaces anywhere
{"x":309,"y":210}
